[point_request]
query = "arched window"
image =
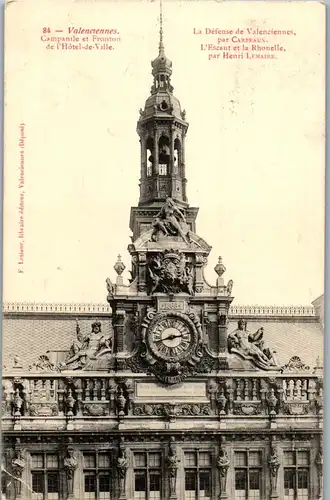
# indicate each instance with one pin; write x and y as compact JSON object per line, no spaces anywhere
{"x":150,"y":157}
{"x":164,"y":155}
{"x":177,"y":156}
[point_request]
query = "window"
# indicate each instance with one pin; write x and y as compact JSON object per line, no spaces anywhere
{"x":247,"y":475}
{"x":149,"y":170}
{"x":45,"y":476}
{"x":162,"y":169}
{"x":97,"y":477}
{"x":296,"y":475}
{"x":198,"y":466}
{"x":147,"y":475}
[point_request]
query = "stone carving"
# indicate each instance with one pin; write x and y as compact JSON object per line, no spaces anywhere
{"x":223,"y":464}
{"x":251,"y":346}
{"x":273,"y":464}
{"x":230,"y":285}
{"x":121,"y":402}
{"x":122,"y":466}
{"x":319,"y":468}
{"x":170,"y":221}
{"x":172,"y":410}
{"x":172,"y":466}
{"x":43,"y":410}
{"x":111,"y":289}
{"x":301,"y":408}
{"x":249,"y":408}
{"x":97,"y":410}
{"x":43,"y":364}
{"x":170,"y":272}
{"x":70,"y":466}
{"x":18,"y":464}
{"x":172,"y":344}
{"x":295,"y":364}
{"x":83,"y":348}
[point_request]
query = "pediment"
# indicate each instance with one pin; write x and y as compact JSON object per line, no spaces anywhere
{"x":145,"y":243}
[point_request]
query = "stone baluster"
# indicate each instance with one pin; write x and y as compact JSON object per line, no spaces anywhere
{"x":291,"y":389}
{"x":112,"y":396}
{"x":87,"y":390}
{"x":254,"y":390}
{"x":246,"y":389}
{"x":79,"y":394}
{"x":304,"y":390}
{"x":230,"y":394}
{"x":103,"y":389}
{"x":95,"y":387}
{"x":238,"y":390}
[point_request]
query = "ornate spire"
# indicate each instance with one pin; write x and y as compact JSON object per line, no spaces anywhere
{"x":161,"y":66}
{"x":161,"y":42}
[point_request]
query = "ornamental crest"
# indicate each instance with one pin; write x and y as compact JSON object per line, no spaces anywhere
{"x":172,"y":344}
{"x":170,"y":272}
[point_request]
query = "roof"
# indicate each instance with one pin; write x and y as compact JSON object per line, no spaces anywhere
{"x":31,"y":330}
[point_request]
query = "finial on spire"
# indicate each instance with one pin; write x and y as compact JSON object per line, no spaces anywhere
{"x":161,"y":43}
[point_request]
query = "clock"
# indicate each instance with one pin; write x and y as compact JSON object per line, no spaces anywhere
{"x":171,"y":338}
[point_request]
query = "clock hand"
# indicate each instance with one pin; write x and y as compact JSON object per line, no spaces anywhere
{"x":171,"y":337}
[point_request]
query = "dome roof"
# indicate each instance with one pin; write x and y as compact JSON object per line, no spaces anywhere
{"x":161,"y":64}
{"x":162,"y":103}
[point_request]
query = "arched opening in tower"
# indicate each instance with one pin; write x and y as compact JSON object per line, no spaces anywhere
{"x":150,"y":157}
{"x":177,"y":156}
{"x":164,"y":155}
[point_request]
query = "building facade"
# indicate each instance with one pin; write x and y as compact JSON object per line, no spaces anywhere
{"x":169,"y":391}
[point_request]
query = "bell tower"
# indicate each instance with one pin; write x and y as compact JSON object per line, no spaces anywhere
{"x":162,"y":130}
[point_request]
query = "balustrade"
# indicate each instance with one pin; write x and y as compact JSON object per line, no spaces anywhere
{"x":102,"y":396}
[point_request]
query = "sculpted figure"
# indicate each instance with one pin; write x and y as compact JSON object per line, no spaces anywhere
{"x":170,"y":221}
{"x":173,"y":465}
{"x":90,"y":345}
{"x":70,"y":465}
{"x":223,"y":464}
{"x":122,"y":466}
{"x":250,"y":345}
{"x":110,"y":287}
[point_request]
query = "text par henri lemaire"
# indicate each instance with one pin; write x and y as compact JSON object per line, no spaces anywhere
{"x":242,"y":42}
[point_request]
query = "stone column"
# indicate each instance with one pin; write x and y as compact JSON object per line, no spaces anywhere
{"x":319,"y":469}
{"x":142,"y":278}
{"x":119,"y":327}
{"x":70,"y":466}
{"x":223,"y":464}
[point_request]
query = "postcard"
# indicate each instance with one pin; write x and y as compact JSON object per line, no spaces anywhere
{"x":163,"y":315}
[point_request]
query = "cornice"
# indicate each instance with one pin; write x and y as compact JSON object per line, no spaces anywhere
{"x":55,"y":308}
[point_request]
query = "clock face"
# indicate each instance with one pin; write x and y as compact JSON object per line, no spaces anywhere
{"x":171,"y":338}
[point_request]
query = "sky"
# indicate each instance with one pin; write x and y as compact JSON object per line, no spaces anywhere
{"x":254,"y":148}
